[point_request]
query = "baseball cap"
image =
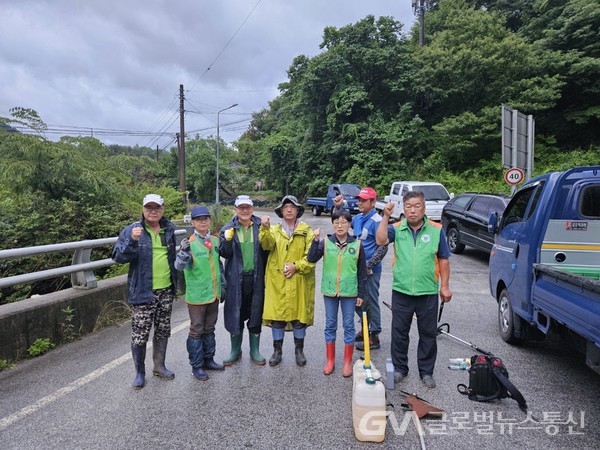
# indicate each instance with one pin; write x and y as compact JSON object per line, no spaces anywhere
{"x":153,"y":198}
{"x":199,"y":211}
{"x":367,"y":193}
{"x":243,"y":200}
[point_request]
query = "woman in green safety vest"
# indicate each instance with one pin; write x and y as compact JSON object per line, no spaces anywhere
{"x":342,"y":284}
{"x":199,"y":259}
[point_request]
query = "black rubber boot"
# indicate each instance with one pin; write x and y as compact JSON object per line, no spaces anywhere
{"x":139,"y":359}
{"x":276,"y":357}
{"x":210,"y":347}
{"x":196,"y":354}
{"x":300,"y":359}
{"x":159,"y":352}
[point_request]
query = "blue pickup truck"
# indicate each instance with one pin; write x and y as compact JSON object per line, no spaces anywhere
{"x":320,"y":205}
{"x":544,"y":268}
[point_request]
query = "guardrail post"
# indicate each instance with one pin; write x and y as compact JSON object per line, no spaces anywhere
{"x":84,"y":279}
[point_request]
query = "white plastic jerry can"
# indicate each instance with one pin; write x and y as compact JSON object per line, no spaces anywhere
{"x":368,"y":404}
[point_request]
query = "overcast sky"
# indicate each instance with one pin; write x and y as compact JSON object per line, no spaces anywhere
{"x":118,"y":64}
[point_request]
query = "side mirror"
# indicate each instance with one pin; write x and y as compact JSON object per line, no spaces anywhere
{"x":451,"y":194}
{"x":493,"y":222}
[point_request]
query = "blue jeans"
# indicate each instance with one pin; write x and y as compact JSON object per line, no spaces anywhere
{"x":331,"y":318}
{"x":278,"y":329}
{"x":372,"y":307}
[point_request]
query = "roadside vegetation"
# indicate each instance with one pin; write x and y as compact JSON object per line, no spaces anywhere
{"x":370,"y":108}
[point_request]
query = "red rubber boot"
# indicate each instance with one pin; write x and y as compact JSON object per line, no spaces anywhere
{"x":348,"y":350}
{"x":330,"y":349}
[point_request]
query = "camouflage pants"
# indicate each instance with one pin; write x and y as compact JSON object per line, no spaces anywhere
{"x":157,"y":312}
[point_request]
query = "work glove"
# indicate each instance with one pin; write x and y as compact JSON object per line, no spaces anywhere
{"x":229,"y":234}
{"x":185,"y":245}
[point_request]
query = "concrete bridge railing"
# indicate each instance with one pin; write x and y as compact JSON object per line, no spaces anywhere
{"x":75,"y":311}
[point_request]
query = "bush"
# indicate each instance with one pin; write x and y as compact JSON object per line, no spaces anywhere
{"x":39,"y":347}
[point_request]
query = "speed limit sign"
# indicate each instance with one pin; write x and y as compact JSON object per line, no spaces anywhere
{"x":514,"y":176}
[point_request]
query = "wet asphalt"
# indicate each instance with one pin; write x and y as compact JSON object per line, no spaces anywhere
{"x":78,"y":396}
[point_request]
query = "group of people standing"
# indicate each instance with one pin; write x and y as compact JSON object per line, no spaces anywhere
{"x":269,"y":279}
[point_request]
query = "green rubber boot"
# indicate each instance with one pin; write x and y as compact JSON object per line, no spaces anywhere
{"x":255,"y":355}
{"x":236,"y":350}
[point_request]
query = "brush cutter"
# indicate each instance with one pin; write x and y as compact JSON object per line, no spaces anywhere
{"x":444,"y":329}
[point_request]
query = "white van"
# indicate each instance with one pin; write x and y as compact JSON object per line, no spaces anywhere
{"x":436,"y":197}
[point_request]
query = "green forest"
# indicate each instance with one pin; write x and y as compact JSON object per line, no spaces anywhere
{"x":372,"y":107}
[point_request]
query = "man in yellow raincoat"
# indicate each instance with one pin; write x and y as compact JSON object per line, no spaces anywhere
{"x":290,"y":278}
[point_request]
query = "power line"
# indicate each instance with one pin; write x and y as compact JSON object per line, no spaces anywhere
{"x":222,"y":126}
{"x":84,"y":130}
{"x":161,"y":116}
{"x":226,"y":45}
{"x":164,"y":129}
{"x":235,"y":91}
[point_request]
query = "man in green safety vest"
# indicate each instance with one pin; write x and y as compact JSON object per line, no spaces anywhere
{"x":421,"y":270}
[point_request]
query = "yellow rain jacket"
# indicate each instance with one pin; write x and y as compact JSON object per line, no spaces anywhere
{"x":288,"y":299}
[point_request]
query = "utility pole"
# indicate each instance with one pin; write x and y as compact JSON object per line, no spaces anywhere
{"x":419,"y":7}
{"x":181,"y":147}
{"x":218,"y":143}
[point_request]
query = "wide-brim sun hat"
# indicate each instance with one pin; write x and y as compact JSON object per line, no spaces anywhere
{"x":290,"y":199}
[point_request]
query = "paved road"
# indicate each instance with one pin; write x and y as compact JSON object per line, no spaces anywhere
{"x":78,"y":396}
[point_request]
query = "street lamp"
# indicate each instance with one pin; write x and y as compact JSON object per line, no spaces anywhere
{"x":217,"y":187}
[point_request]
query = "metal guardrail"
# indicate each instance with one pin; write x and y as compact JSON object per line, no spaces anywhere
{"x":81,"y":268}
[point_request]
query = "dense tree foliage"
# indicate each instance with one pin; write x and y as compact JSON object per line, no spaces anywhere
{"x":371,"y":108}
{"x":374,"y":107}
{"x":65,"y":191}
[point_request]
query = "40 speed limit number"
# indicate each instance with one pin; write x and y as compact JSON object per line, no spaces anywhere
{"x":514,"y":176}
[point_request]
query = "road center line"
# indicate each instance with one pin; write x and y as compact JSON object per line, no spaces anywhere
{"x":30,"y":409}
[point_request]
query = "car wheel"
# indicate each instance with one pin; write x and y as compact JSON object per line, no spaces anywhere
{"x":316,"y":211}
{"x":506,"y":319}
{"x":453,"y":239}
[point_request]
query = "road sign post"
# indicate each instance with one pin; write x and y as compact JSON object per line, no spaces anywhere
{"x":514,"y":176}
{"x":518,"y":132}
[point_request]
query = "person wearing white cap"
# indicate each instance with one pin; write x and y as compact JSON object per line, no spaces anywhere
{"x":290,"y":278}
{"x":148,"y":245}
{"x":245,"y":263}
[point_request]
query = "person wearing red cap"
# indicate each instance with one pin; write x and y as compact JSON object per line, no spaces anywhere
{"x":364,"y":228}
{"x":148,"y":245}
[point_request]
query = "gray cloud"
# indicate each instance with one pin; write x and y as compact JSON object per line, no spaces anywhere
{"x":118,"y":64}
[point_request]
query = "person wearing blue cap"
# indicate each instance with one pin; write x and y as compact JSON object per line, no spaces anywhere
{"x":200,"y":261}
{"x":245,"y":263}
{"x":149,"y":247}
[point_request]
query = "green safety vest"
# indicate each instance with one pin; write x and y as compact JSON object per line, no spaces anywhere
{"x":340,"y":269}
{"x":416,"y":269}
{"x":203,"y":280}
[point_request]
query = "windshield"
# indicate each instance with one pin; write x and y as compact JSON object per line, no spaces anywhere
{"x":350,"y":189}
{"x":433,"y":192}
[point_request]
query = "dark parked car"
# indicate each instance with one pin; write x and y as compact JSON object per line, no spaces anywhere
{"x":465,"y":220}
